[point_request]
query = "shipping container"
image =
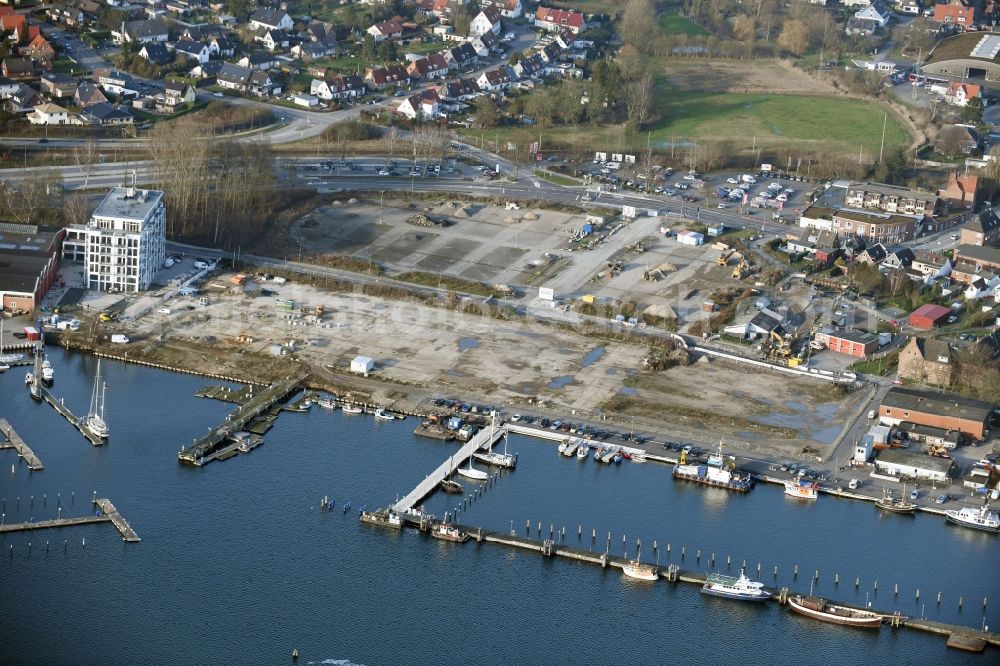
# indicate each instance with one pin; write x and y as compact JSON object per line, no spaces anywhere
{"x":119,"y":339}
{"x":32,"y":333}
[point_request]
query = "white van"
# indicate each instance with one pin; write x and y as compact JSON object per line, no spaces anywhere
{"x":201,"y":265}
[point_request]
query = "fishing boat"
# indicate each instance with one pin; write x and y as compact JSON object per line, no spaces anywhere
{"x":618,"y":457}
{"x":888,"y":503}
{"x":608,"y":456}
{"x":583,"y":451}
{"x":48,"y":374}
{"x":802,"y":488}
{"x":718,"y":471}
{"x":447,"y":532}
{"x":731,"y":587}
{"x":380,"y":413}
{"x":382,"y":518}
{"x":351,"y":408}
{"x":451,"y":487}
{"x":977,"y":519}
{"x":636,"y":569}
{"x":327,"y":403}
{"x":94,"y":420}
{"x":821,"y":609}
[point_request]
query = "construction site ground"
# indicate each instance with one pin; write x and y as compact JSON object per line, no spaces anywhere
{"x":422,"y":351}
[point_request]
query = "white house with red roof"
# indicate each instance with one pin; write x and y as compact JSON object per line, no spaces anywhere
{"x":959,"y":94}
{"x":556,"y":20}
{"x":425,"y":104}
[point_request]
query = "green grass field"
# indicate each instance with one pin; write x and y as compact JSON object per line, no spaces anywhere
{"x":672,"y":23}
{"x":821,"y":124}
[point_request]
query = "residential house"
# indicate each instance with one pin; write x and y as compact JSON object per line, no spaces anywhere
{"x":555,"y":20}
{"x":142,"y":32}
{"x":270,"y":19}
{"x":57,"y":84}
{"x":222,"y":47}
{"x":529,"y":67}
{"x":23,"y":100}
{"x":312,"y":50}
{"x":193,"y":51}
{"x":931,"y":264}
{"x":390,"y":29}
{"x":900,"y":258}
{"x":873,"y":255}
{"x":566,"y":40}
{"x":273,"y":40}
{"x":550,"y":53}
{"x":960,"y":94}
{"x":39,"y":50}
{"x":258,"y":61}
{"x":858,"y":27}
{"x":156,"y":53}
{"x":485,"y":43}
{"x":487,"y":20}
{"x":433,"y":66}
{"x":49,"y":114}
{"x":507,"y":8}
{"x":15,"y":26}
{"x":927,"y":361}
{"x":876,"y":12}
{"x":338,"y":87}
{"x":983,"y":284}
{"x":971,"y":260}
{"x":982,"y":229}
{"x":106,"y":114}
{"x":956,"y":140}
{"x":495,"y":80}
{"x":176,"y":94}
{"x":17,"y":68}
{"x":962,"y":13}
{"x":381,"y":77}
{"x":441,"y":9}
{"x":461,"y":56}
{"x":233,"y":77}
{"x":960,"y":192}
{"x":87,"y":94}
{"x":208,"y":70}
{"x":7,"y":87}
{"x":320,"y":32}
{"x":890,"y":198}
{"x":264,"y":84}
{"x":114,"y":81}
{"x":178,"y":7}
{"x":461,"y":90}
{"x":423,"y":105}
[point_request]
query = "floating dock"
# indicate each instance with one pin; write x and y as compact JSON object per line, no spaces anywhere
{"x":76,"y":421}
{"x":238,"y":396}
{"x":481,"y":440}
{"x":263,"y":401}
{"x":109,"y":514}
{"x":13,"y":441}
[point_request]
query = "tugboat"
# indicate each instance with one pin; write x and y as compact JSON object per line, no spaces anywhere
{"x":741,"y":589}
{"x":447,"y":532}
{"x":821,"y":609}
{"x":977,"y":519}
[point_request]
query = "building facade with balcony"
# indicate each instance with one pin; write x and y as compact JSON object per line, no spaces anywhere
{"x":124,"y":243}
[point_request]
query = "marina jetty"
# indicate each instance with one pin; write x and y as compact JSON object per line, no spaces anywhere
{"x":11,"y":440}
{"x":255,"y":412}
{"x":106,"y":513}
{"x":74,"y":420}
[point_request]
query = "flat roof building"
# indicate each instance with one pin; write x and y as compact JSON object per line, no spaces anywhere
{"x":938,"y":410}
{"x":29,"y":262}
{"x":899,"y":462}
{"x":850,"y":342}
{"x":124,"y":243}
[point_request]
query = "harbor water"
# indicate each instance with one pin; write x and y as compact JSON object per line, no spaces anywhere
{"x":237,"y":564}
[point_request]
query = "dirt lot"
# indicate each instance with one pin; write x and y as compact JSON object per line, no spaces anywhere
{"x":743,"y":76}
{"x":424,"y":350}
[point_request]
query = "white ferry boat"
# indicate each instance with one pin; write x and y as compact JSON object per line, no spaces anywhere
{"x":978,"y":519}
{"x":802,"y":489}
{"x":730,"y":587}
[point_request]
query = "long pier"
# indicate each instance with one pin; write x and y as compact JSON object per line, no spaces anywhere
{"x":480,"y":440}
{"x":202,"y":450}
{"x":75,"y":421}
{"x":109,"y":514}
{"x":13,"y":441}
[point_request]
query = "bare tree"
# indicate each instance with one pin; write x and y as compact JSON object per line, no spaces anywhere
{"x":85,"y":155}
{"x":638,"y":24}
{"x":638,"y":100}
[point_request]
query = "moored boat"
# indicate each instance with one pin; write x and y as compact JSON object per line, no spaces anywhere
{"x":821,"y":609}
{"x":977,"y":519}
{"x":380,"y":413}
{"x":563,"y":445}
{"x":888,"y":503}
{"x":327,"y":403}
{"x":351,"y":408}
{"x":246,"y":441}
{"x":731,"y":587}
{"x":451,"y":487}
{"x":94,"y":420}
{"x":48,"y":374}
{"x":583,"y":451}
{"x":638,"y":457}
{"x":636,"y":569}
{"x":382,"y":518}
{"x":447,"y":532}
{"x":572,"y":448}
{"x":717,"y":471}
{"x":802,"y":488}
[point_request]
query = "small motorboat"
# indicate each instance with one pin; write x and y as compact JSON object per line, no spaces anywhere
{"x":452,"y":487}
{"x":351,"y":408}
{"x":380,"y":413}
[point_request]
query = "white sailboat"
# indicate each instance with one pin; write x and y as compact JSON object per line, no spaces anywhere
{"x":472,"y":473}
{"x":495,"y":458}
{"x":94,"y":420}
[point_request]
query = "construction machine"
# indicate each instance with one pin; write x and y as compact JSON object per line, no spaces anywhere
{"x":723,"y":259}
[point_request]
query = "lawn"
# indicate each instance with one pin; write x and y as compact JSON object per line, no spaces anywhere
{"x":775,"y":122}
{"x":557,"y":179}
{"x":672,"y":23}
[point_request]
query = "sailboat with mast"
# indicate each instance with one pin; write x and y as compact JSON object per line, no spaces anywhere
{"x":472,"y":473}
{"x":497,"y":459}
{"x":94,"y":420}
{"x":449,"y":485}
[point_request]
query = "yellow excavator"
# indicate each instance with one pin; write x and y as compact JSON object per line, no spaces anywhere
{"x":742,"y":269}
{"x":723,"y":259}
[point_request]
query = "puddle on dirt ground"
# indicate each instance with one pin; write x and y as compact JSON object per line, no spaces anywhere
{"x":560,"y":382}
{"x":452,"y":372}
{"x":522,"y":332}
{"x":467,"y":343}
{"x":627,"y":390}
{"x":612,"y":371}
{"x":826,"y":435}
{"x":794,"y":404}
{"x":593,"y":356}
{"x":380,"y":306}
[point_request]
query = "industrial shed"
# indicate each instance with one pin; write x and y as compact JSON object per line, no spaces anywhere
{"x":969,"y":55}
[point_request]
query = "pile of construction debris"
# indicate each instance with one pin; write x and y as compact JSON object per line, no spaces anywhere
{"x":422,"y":220}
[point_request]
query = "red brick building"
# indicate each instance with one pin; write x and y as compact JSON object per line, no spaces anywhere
{"x":928,"y":316}
{"x":937,"y":410}
{"x":960,"y":192}
{"x":29,"y":264}
{"x":852,"y":343}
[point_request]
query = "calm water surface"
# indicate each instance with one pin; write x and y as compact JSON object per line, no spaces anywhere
{"x":238,"y":566}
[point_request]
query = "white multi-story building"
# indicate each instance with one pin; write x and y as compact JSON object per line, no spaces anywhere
{"x":124,"y":243}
